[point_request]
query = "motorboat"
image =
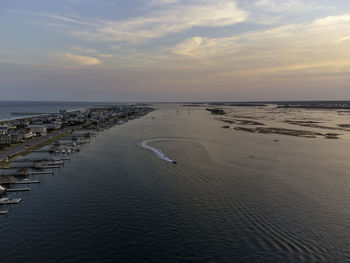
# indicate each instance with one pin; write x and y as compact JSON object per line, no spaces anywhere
{"x":2,"y":190}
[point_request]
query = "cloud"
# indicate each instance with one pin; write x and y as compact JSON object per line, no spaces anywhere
{"x":162,"y":2}
{"x":94,"y":51}
{"x":178,"y":18}
{"x":199,"y":47}
{"x":86,"y":50}
{"x":320,"y":45}
{"x":78,"y":60}
{"x":288,"y":5}
{"x":70,"y":19}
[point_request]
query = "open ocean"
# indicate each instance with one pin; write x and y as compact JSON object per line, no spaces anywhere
{"x":231,"y":197}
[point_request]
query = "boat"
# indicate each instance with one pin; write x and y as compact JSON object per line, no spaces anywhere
{"x":2,"y":190}
{"x":63,"y":151}
{"x":8,"y":201}
{"x":156,"y":151}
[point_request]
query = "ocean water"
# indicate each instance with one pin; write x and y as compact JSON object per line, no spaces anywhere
{"x":231,"y":197}
{"x":7,"y":108}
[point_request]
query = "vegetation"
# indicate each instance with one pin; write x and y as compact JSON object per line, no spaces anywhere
{"x":216,"y":111}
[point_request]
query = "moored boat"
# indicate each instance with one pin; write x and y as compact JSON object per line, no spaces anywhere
{"x":2,"y":190}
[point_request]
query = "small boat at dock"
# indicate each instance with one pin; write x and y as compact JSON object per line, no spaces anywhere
{"x":2,"y":190}
{"x":8,"y":201}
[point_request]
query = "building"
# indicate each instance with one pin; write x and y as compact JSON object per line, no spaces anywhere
{"x":3,"y":130}
{"x":25,"y":133}
{"x":5,"y":138}
{"x":38,"y":129}
{"x":56,"y":125}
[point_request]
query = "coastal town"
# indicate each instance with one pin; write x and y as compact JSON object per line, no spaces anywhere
{"x":60,"y":134}
{"x":23,"y":130}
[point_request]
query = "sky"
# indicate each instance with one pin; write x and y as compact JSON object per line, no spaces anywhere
{"x":174,"y":50}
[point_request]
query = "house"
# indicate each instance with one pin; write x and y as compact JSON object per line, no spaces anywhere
{"x":15,"y":136}
{"x":5,"y":138}
{"x":21,"y":123}
{"x":25,"y":133}
{"x":56,"y":125}
{"x":38,"y":129}
{"x":3,"y":130}
{"x":37,"y":120}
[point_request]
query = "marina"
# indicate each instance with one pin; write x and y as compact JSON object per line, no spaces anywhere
{"x":38,"y":161}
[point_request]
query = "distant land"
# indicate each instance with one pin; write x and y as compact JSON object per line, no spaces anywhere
{"x":328,"y":104}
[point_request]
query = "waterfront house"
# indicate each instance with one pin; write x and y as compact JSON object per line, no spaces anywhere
{"x":21,"y":123}
{"x":37,"y":120}
{"x":15,"y":136}
{"x":56,"y":125}
{"x":25,"y":133}
{"x":5,"y":138}
{"x":3,"y":130}
{"x":38,"y":129}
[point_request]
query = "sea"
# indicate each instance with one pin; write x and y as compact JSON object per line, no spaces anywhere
{"x":232,"y":196}
{"x":20,"y":109}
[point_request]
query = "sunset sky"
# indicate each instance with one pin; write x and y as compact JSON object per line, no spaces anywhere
{"x":174,"y":50}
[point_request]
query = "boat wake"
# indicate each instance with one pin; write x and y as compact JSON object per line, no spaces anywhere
{"x":156,"y":151}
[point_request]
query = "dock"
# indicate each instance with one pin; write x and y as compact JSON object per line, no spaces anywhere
{"x":27,"y":174}
{"x":35,"y":160}
{"x":10,"y":201}
{"x":23,"y":182}
{"x":18,"y":190}
{"x":41,"y":173}
{"x":49,"y":166}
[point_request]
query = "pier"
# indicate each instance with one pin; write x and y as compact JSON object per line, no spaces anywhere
{"x":23,"y":182}
{"x":48,"y":166}
{"x":34,"y":160}
{"x":10,"y":190}
{"x":6,"y":201}
{"x":22,"y":174}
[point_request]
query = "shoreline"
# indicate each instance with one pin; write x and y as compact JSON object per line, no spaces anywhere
{"x":17,"y":170}
{"x":25,"y":146}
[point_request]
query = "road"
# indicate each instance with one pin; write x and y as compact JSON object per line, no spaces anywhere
{"x":32,"y":142}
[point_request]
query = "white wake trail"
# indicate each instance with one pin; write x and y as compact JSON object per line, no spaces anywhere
{"x":156,"y":151}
